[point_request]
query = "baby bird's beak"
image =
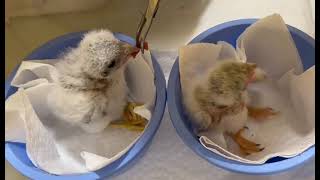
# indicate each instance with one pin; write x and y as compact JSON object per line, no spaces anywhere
{"x":256,"y":76}
{"x":130,"y":50}
{"x":259,"y":75}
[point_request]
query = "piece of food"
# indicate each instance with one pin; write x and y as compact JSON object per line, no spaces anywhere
{"x":146,"y":47}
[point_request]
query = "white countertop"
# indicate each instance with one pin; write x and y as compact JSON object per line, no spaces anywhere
{"x":178,"y":21}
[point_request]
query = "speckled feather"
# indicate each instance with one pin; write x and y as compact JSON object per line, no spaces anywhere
{"x":222,"y":93}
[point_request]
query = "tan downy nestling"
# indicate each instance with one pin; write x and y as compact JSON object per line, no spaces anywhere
{"x":221,"y":101}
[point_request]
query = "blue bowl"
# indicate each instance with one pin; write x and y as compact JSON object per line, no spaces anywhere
{"x":15,"y":153}
{"x":229,"y":32}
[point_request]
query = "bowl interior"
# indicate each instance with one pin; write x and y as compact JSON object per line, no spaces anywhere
{"x":228,"y":32}
{"x":16,"y":152}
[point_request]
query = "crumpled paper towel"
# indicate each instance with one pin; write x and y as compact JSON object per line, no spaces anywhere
{"x":289,"y":90}
{"x":60,"y":148}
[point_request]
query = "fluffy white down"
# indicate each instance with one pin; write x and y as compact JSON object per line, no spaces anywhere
{"x":73,"y":106}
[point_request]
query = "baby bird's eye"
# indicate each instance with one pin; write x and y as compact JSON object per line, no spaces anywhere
{"x":112,"y":64}
{"x":222,"y":107}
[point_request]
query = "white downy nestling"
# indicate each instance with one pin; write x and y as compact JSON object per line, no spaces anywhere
{"x":220,"y":101}
{"x":92,"y":90}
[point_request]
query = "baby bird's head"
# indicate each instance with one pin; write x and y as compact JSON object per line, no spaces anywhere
{"x":102,"y":54}
{"x":224,"y":90}
{"x":238,"y":72}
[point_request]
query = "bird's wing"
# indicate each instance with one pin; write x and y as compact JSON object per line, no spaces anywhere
{"x":69,"y":106}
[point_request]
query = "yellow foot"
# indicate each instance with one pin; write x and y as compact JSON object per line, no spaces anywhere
{"x":246,"y":147}
{"x":261,"y":113}
{"x":131,"y":120}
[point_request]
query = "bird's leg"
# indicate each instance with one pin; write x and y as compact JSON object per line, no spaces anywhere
{"x":246,"y":147}
{"x":261,"y":113}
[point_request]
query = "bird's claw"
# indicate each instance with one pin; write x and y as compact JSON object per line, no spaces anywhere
{"x":261,"y":113}
{"x":246,"y":147}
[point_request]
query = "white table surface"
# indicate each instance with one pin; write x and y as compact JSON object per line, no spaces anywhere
{"x":178,"y":21}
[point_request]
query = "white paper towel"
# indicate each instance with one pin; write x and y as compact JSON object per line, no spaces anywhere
{"x":269,"y":44}
{"x":61,"y":148}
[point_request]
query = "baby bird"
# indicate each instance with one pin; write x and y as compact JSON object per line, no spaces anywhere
{"x":220,"y":100}
{"x":92,"y":90}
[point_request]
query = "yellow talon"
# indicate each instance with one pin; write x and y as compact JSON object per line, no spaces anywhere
{"x":131,"y":120}
{"x":246,"y":147}
{"x":261,"y":113}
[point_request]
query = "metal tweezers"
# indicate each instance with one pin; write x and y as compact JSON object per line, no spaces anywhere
{"x":146,"y":22}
